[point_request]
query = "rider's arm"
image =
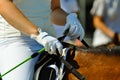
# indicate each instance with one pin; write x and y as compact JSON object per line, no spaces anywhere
{"x":15,"y":17}
{"x":58,"y":16}
{"x":98,"y":23}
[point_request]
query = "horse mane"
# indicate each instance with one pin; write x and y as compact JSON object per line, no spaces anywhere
{"x":115,"y":50}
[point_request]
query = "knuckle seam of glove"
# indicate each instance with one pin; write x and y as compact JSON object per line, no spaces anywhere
{"x":43,"y":34}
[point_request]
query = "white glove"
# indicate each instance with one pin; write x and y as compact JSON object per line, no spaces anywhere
{"x":75,"y":28}
{"x":50,"y":43}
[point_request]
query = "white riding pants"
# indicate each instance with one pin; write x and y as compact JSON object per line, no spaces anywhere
{"x":12,"y":52}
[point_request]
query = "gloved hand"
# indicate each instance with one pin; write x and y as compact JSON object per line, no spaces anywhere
{"x":50,"y":43}
{"x":75,"y":29}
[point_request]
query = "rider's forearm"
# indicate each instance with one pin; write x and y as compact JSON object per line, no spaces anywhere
{"x":58,"y":16}
{"x":98,"y":23}
{"x":15,"y":17}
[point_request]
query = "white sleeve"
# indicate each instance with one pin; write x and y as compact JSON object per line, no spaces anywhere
{"x":69,"y":5}
{"x":98,"y":8}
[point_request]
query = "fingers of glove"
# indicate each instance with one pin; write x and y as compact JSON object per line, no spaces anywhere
{"x":53,"y":48}
{"x":81,"y":33}
{"x":47,"y":47}
{"x":73,"y":30}
{"x":59,"y":47}
{"x":78,"y":31}
{"x":67,"y":26}
{"x":50,"y":47}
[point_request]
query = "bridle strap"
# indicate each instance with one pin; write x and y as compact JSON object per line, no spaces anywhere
{"x":68,"y":65}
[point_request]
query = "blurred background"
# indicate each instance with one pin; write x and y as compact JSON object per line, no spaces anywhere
{"x":86,"y":19}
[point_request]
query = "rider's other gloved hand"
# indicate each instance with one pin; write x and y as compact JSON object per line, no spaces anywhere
{"x":74,"y":26}
{"x":50,"y":43}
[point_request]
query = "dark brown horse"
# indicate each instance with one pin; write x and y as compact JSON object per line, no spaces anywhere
{"x":96,"y":63}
